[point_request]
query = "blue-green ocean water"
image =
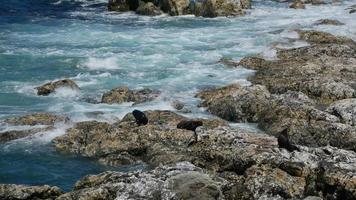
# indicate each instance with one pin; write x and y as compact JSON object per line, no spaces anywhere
{"x":45,"y":40}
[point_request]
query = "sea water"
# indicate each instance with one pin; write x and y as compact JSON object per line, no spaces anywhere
{"x":46,"y":40}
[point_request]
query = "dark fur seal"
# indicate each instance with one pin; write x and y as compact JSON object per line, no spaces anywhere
{"x":140,"y":117}
{"x":190,"y":125}
{"x":283,"y":142}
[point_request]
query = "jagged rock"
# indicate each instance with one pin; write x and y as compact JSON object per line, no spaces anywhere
{"x":236,"y":103}
{"x":166,"y":182}
{"x":319,"y":37}
{"x":175,"y":7}
{"x":34,"y":123}
{"x":352,"y":9}
{"x":148,"y":9}
{"x":17,"y":134}
{"x":23,"y":192}
{"x":51,"y":87}
{"x":36,"y":119}
{"x":297,"y":4}
{"x":155,"y":143}
{"x":215,"y":8}
{"x":236,"y":155}
{"x":123,"y":5}
{"x":344,"y":109}
{"x":329,"y":22}
{"x":124,"y":94}
{"x":323,"y":71}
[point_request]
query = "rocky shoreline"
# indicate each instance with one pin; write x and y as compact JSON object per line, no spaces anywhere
{"x":308,"y":90}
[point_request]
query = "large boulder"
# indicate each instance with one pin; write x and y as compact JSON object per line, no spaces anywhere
{"x":297,"y":4}
{"x":124,"y":94}
{"x":24,"y":192}
{"x":236,"y":103}
{"x":215,"y":8}
{"x":51,"y":87}
{"x":329,"y":22}
{"x":148,"y":9}
{"x":123,"y":5}
{"x":175,"y":7}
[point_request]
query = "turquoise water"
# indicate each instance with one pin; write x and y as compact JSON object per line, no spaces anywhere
{"x":44,"y":40}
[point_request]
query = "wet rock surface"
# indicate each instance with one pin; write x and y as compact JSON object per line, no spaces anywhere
{"x":209,"y":8}
{"x":148,"y":9}
{"x":124,"y":94}
{"x":29,"y":125}
{"x":329,"y":22}
{"x":51,"y":87}
{"x":303,"y":82}
{"x":23,"y":192}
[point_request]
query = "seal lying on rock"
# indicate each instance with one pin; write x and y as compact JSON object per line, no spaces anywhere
{"x":190,"y":125}
{"x":283,"y":142}
{"x":140,"y":117}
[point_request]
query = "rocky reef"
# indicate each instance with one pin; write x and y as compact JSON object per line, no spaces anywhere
{"x":208,"y":8}
{"x":309,"y":90}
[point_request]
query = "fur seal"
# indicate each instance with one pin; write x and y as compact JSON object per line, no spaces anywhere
{"x":140,"y":117}
{"x":283,"y":142}
{"x":190,"y":125}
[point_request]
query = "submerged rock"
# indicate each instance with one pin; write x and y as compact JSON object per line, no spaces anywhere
{"x":329,"y":22}
{"x":51,"y":87}
{"x":23,"y":192}
{"x":124,"y":94}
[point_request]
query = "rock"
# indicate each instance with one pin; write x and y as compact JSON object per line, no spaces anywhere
{"x":297,"y":4}
{"x":34,"y":123}
{"x":329,"y":22}
{"x":124,"y":94}
{"x":352,"y":9}
{"x":175,"y":7}
{"x":228,"y":62}
{"x":165,"y":182}
{"x":23,"y":192}
{"x":17,"y":134}
{"x":235,"y":103}
{"x":36,"y":119}
{"x":317,"y":2}
{"x":178,"y":105}
{"x":251,"y":165}
{"x":319,"y":37}
{"x":158,"y":142}
{"x":267,"y":181}
{"x":344,"y":109}
{"x":148,"y":9}
{"x":215,"y":8}
{"x":51,"y":87}
{"x":123,"y":5}
{"x":322,"y":71}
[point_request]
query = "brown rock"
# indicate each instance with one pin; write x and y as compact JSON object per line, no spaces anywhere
{"x":51,"y":87}
{"x":124,"y":94}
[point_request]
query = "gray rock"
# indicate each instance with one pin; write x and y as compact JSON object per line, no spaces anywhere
{"x":345,"y":109}
{"x":23,"y":192}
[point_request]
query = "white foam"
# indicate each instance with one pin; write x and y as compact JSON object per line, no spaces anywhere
{"x":110,"y":63}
